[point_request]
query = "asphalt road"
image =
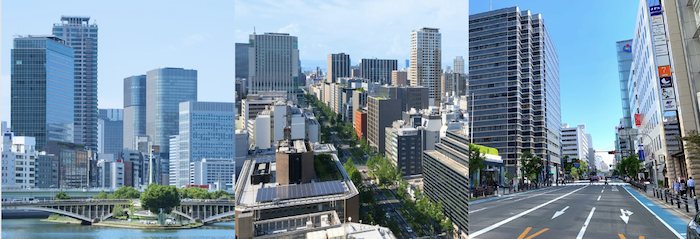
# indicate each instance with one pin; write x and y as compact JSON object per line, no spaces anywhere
{"x":581,"y":211}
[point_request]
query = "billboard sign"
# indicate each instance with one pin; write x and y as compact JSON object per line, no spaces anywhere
{"x":669,"y":105}
{"x":655,"y":10}
{"x":666,"y":82}
{"x":664,"y":71}
{"x":638,"y":120}
{"x":627,"y":48}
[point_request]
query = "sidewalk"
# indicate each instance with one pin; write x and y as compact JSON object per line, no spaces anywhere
{"x":671,"y":215}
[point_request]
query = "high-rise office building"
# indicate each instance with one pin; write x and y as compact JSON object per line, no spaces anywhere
{"x":273,"y":60}
{"x":134,"y":110}
{"x":338,"y":66}
{"x":381,"y":113}
{"x":459,"y":64}
{"x":510,"y":69}
{"x":42,"y":89}
{"x":110,"y":131}
{"x":167,"y":87}
{"x":404,"y":148}
{"x":82,"y":37}
{"x":453,"y":83}
{"x":242,"y":60}
{"x":575,"y":142}
{"x":624,"y":68}
{"x":207,"y":130}
{"x":377,"y":70}
{"x":426,"y":61}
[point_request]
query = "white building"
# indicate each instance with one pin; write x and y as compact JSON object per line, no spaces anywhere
{"x":217,"y":173}
{"x":175,"y":169}
{"x":268,"y":127}
{"x":575,"y":142}
{"x":426,"y":61}
{"x":18,"y":160}
{"x":459,"y":65}
{"x":111,"y":173}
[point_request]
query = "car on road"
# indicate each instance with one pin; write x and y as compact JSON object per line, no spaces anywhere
{"x":693,"y":228}
{"x":408,"y":229}
{"x":388,"y":216}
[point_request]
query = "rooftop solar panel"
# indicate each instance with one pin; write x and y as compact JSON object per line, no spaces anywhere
{"x":300,"y":191}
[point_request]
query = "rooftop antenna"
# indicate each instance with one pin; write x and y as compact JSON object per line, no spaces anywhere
{"x":253,"y":30}
{"x":490,"y":5}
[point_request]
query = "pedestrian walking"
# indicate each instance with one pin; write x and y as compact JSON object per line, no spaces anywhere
{"x":683,"y":187}
{"x":676,"y":186}
{"x":691,"y":187}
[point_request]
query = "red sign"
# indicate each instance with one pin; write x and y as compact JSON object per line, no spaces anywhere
{"x":638,"y":120}
{"x":197,"y":186}
{"x":664,"y":71}
{"x":119,"y":160}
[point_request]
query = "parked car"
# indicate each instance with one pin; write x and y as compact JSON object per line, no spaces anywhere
{"x":693,"y":228}
{"x":408,"y":229}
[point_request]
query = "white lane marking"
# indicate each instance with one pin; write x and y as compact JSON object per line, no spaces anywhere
{"x":601,"y":191}
{"x":614,"y":189}
{"x":585,"y":225}
{"x":559,"y":213}
{"x":625,"y":215}
{"x":507,"y":220}
{"x":478,"y":210}
{"x":598,"y":198}
{"x":657,"y":216}
{"x":536,"y":195}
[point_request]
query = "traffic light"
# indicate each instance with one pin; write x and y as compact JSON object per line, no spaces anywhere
{"x":611,"y":152}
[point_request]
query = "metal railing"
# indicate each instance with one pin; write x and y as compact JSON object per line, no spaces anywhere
{"x":668,"y":196}
{"x":65,"y":201}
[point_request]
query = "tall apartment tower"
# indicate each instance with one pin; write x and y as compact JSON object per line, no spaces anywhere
{"x":624,"y":66}
{"x":426,"y":61}
{"x":517,"y":106}
{"x":338,"y":66}
{"x":42,"y":89}
{"x":377,"y":70}
{"x":134,"y":110}
{"x":207,"y":130}
{"x":273,"y":60}
{"x":459,"y":65}
{"x":167,"y":87}
{"x":82,"y":37}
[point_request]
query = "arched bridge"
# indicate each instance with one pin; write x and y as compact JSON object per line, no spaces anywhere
{"x":95,"y":210}
{"x":87,"y":210}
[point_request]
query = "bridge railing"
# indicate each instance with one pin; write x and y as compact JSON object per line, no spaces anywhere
{"x":65,"y":201}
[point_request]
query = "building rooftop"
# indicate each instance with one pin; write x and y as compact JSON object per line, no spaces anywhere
{"x":272,"y":195}
{"x":460,"y":168}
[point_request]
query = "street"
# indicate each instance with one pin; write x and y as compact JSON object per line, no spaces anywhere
{"x":577,"y":211}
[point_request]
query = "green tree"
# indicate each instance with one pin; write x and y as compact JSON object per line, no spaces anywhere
{"x":691,"y":142}
{"x":194,"y":193}
{"x":447,"y":226}
{"x":102,"y":195}
{"x":118,"y":211}
{"x":630,"y":165}
{"x":62,"y":195}
{"x":531,"y":166}
{"x":219,"y":194}
{"x":476,"y":162}
{"x":156,"y":197}
{"x":126,"y":193}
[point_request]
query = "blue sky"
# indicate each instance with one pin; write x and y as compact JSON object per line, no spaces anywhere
{"x":137,"y":36}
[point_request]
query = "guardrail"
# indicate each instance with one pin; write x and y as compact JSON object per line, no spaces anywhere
{"x":669,"y":197}
{"x":640,"y":185}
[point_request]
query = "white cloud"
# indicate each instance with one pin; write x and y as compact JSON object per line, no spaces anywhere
{"x":292,"y":29}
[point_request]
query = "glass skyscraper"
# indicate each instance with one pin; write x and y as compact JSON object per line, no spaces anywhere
{"x":110,"y":131}
{"x":82,"y":37}
{"x":514,"y":86}
{"x":134,"y":110}
{"x":377,"y":70}
{"x":167,"y":87}
{"x":42,"y":89}
{"x":207,"y":130}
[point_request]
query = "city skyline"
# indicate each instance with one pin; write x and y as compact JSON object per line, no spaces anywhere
{"x":144,"y":53}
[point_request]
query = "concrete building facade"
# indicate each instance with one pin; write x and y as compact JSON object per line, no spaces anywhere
{"x":426,"y":61}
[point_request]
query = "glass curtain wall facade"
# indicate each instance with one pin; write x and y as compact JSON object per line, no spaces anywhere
{"x":167,"y":87}
{"x":134,"y":109}
{"x":82,"y":37}
{"x":514,"y":86}
{"x":273,"y":60}
{"x":42,"y":89}
{"x":207,"y":130}
{"x":242,"y":60}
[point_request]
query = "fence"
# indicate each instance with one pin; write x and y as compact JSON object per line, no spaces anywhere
{"x":679,"y":200}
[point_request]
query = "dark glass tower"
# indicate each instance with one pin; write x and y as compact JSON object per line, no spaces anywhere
{"x":42,"y":89}
{"x":514,"y":82}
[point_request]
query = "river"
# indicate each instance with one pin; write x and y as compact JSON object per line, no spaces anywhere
{"x":33,"y":228}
